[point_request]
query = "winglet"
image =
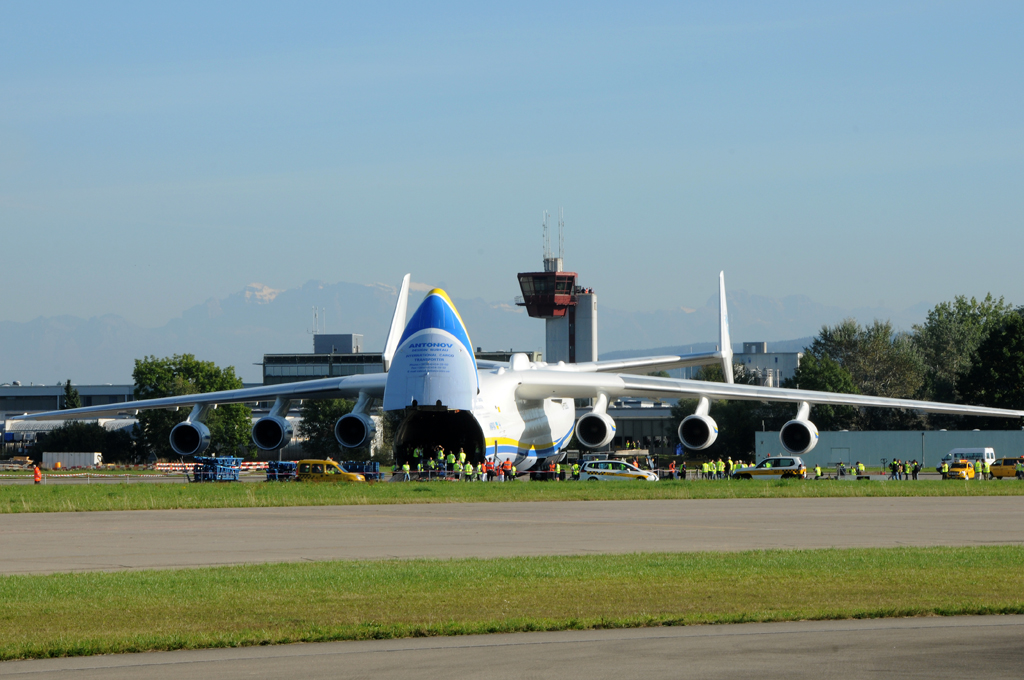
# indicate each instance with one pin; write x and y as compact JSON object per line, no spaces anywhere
{"x":397,"y":323}
{"x":723,"y":330}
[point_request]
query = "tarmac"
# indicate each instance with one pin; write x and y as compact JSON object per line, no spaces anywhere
{"x":934,"y":648}
{"x":954,"y":647}
{"x":164,"y":539}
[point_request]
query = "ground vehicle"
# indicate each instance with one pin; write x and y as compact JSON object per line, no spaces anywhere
{"x":1005,"y":467}
{"x":986,"y":453}
{"x":594,"y":470}
{"x":961,"y":469}
{"x":325,"y":471}
{"x":783,"y":467}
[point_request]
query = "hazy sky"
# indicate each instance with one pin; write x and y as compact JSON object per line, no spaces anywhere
{"x":152,"y":157}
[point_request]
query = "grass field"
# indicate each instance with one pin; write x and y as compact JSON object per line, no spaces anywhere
{"x":93,"y":613}
{"x":80,"y":498}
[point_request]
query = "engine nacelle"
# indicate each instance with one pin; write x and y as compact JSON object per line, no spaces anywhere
{"x":355,"y":430}
{"x":595,"y":430}
{"x":271,"y":433}
{"x":190,"y":438}
{"x":798,"y":436}
{"x":698,"y":432}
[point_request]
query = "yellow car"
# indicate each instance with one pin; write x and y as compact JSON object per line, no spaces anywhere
{"x":1005,"y":467}
{"x":961,"y":469}
{"x":325,"y":471}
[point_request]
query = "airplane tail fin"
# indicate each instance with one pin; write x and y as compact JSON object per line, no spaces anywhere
{"x":397,"y":323}
{"x":433,"y":367}
{"x":725,"y":342}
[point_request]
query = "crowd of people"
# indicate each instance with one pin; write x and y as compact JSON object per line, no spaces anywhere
{"x":903,"y":470}
{"x":441,"y":464}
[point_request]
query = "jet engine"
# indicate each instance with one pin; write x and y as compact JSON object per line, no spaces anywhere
{"x":190,"y":438}
{"x":698,"y":432}
{"x":798,"y":436}
{"x":595,"y":430}
{"x":355,"y":430}
{"x":271,"y":433}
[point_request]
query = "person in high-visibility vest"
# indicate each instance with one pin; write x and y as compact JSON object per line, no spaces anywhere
{"x":499,"y":470}
{"x":945,"y":469}
{"x":672,"y":470}
{"x":462,"y":456}
{"x":575,"y":470}
{"x":988,"y":469}
{"x":506,"y":469}
{"x":512,"y":473}
{"x":450,"y":461}
{"x":704,"y":470}
{"x":558,"y":472}
{"x":1019,"y":469}
{"x":817,"y":471}
{"x":860,"y":467}
{"x":721,"y":468}
{"x":405,"y":472}
{"x":37,"y":475}
{"x":977,"y":469}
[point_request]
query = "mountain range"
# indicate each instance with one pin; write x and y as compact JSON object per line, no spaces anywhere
{"x":238,"y":329}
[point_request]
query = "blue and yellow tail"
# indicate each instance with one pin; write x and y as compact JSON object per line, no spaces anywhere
{"x":434,"y":365}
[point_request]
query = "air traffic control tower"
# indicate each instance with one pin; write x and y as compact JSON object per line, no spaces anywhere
{"x":569,"y":311}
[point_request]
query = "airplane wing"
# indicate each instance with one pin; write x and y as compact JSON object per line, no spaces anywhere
{"x":541,"y":383}
{"x":371,"y":384}
{"x":645,"y":364}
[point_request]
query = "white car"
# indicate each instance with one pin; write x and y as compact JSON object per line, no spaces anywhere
{"x":595,"y":470}
{"x":779,"y":467}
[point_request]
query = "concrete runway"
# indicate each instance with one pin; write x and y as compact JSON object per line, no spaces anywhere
{"x":956,"y":647}
{"x":41,"y":543}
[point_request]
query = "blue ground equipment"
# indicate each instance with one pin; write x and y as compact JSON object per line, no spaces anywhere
{"x":370,"y":469}
{"x":223,"y":469}
{"x":282,"y":470}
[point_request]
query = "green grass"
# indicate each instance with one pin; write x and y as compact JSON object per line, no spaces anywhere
{"x":138,"y":496}
{"x":95,"y":613}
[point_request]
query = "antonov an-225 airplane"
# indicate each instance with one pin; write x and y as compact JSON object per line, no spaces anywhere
{"x":518,"y":410}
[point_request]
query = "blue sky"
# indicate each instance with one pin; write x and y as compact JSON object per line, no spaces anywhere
{"x":153,"y":156}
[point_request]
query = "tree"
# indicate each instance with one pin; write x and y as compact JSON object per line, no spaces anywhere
{"x":71,"y":398}
{"x":997,"y":376}
{"x":880,"y":363}
{"x":230,"y":425}
{"x":116,"y":446}
{"x":317,"y":426}
{"x":948,"y":343}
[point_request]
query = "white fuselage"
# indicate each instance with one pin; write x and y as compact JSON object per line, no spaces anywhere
{"x":521,"y":430}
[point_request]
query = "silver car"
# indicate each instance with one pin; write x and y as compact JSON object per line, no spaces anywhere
{"x":595,"y":470}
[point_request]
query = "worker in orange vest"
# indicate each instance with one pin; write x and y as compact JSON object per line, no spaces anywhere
{"x":37,"y":475}
{"x":672,"y":470}
{"x":506,"y":467}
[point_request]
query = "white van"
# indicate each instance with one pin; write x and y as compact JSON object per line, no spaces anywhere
{"x":982,"y":454}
